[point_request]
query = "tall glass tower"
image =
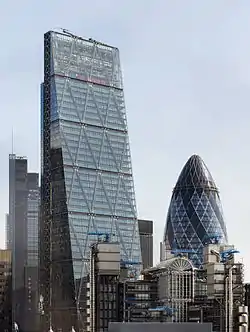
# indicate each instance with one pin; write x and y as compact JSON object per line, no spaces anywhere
{"x":195,"y":215}
{"x":87,"y":181}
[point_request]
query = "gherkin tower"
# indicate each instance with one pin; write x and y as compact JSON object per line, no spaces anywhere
{"x":195,"y":214}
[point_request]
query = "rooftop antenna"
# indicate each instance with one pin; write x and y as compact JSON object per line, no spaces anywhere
{"x":12,"y":141}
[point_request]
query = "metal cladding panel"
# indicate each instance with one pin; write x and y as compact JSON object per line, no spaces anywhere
{"x":109,"y":257}
{"x":108,"y":247}
{"x":160,"y":327}
{"x":108,"y":268}
{"x":145,"y":226}
{"x":163,"y":289}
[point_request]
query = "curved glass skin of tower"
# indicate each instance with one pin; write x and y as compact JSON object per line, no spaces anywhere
{"x":195,"y":215}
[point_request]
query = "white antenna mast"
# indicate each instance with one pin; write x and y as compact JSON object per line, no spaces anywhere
{"x":12,"y":141}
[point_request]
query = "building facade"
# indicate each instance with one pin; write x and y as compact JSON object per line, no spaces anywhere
{"x":5,"y":291}
{"x":33,"y":202}
{"x":23,"y":223}
{"x":195,"y":215}
{"x":146,"y":240}
{"x":137,"y":298}
{"x":175,"y":279}
{"x":32,"y":247}
{"x":87,"y":183}
{"x":8,"y":232}
{"x":223,"y":300}
{"x":17,"y":219}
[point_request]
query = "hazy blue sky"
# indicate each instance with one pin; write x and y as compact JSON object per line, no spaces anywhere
{"x":186,"y":71}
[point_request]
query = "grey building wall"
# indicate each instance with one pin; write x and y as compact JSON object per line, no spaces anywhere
{"x":31,"y":269}
{"x":23,"y":234}
{"x":17,"y":221}
{"x":146,"y":240}
{"x":17,"y":215}
{"x":33,"y":201}
{"x":8,"y":232}
{"x":160,"y":327}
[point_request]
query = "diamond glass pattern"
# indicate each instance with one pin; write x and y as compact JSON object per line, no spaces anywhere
{"x":87,"y":175}
{"x":195,"y":212}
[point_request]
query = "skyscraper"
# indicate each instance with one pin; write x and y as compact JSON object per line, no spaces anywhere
{"x":146,"y":240}
{"x":32,"y":247}
{"x":23,"y":223}
{"x":87,"y":181}
{"x":17,"y":221}
{"x":195,"y":214}
{"x":8,"y":232}
{"x":33,"y":201}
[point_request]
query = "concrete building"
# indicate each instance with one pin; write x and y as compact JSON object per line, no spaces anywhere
{"x":103,"y":295}
{"x":113,"y":293}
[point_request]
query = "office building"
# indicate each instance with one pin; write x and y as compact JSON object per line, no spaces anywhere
{"x":87,"y":183}
{"x":17,"y":220}
{"x":8,"y":232}
{"x":223,"y":279}
{"x":32,"y":246}
{"x":23,"y":221}
{"x":113,"y":295}
{"x":195,"y":214}
{"x":33,"y":202}
{"x":146,"y":240}
{"x":105,"y":263}
{"x":5,"y":291}
{"x":175,"y":279}
{"x":137,"y":298}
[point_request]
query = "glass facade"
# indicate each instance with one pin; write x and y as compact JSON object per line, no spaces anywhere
{"x":87,"y":181}
{"x":32,"y":227}
{"x":8,"y":232}
{"x":195,"y":214}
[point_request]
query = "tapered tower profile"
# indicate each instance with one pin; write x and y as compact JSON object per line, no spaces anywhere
{"x":87,"y":185}
{"x":195,"y":214}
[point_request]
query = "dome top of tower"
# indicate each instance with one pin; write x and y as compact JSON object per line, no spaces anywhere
{"x":195,"y":174}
